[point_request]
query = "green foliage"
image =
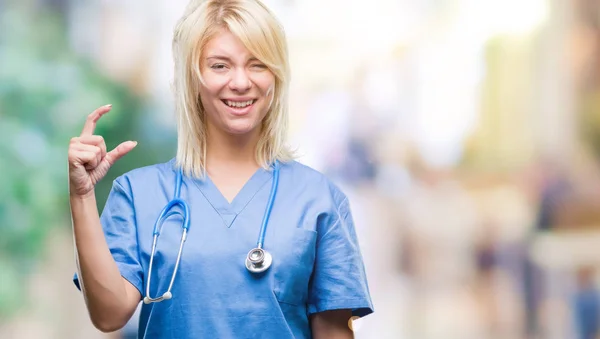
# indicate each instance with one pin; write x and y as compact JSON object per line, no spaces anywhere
{"x":46,"y":92}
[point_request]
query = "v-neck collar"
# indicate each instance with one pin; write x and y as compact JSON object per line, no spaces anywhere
{"x":229,"y":211}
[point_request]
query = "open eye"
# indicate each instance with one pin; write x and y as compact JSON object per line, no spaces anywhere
{"x":218,"y":66}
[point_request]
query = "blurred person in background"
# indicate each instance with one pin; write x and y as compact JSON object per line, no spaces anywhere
{"x":236,"y":173}
{"x":553,"y":188}
{"x":586,"y":304}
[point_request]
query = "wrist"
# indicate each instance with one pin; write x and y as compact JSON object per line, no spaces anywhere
{"x":74,"y":197}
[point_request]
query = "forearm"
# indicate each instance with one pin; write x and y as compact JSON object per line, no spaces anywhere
{"x":332,"y":325}
{"x":103,"y":287}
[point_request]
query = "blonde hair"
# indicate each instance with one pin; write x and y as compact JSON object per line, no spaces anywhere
{"x":260,"y":32}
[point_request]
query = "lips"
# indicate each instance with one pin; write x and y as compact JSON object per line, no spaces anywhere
{"x":239,"y":107}
{"x":238,"y":103}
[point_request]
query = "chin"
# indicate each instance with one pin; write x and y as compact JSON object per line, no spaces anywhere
{"x":240,"y":129}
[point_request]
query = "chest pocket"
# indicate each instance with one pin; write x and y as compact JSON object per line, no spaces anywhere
{"x":293,"y":266}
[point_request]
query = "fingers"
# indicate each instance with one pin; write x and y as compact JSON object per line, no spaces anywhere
{"x":96,"y":140}
{"x":85,"y":158}
{"x":120,"y":151}
{"x":89,"y":156}
{"x":90,"y":123}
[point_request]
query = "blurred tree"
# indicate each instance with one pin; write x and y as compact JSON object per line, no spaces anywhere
{"x":590,"y":121}
{"x":46,"y":92}
{"x":586,"y":46}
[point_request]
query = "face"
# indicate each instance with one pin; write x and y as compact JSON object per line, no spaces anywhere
{"x":238,"y":89}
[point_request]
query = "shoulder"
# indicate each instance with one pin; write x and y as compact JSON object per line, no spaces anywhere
{"x":309,"y":180}
{"x":147,"y":175}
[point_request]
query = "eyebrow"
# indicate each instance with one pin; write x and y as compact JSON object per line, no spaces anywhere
{"x":222,"y":57}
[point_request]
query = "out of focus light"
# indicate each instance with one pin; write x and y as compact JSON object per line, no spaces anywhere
{"x":363,"y":29}
{"x":354,"y":323}
{"x":451,"y":67}
{"x":514,"y":17}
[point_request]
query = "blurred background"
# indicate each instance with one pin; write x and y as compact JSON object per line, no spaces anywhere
{"x":466,"y":134}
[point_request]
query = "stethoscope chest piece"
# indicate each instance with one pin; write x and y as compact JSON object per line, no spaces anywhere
{"x":258,"y":260}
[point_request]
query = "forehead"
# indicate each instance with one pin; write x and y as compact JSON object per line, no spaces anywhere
{"x":226,"y":44}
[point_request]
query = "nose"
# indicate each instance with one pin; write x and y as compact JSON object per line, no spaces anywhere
{"x":240,"y":81}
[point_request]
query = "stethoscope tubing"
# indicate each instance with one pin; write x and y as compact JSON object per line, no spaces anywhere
{"x":251,"y":265}
{"x":266,"y":216}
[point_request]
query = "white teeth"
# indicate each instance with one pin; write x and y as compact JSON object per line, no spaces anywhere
{"x":238,"y":104}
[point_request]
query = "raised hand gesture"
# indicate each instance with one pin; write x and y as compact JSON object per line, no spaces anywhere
{"x":88,"y":160}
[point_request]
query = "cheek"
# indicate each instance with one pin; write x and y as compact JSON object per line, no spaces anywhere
{"x":204,"y":97}
{"x":270,"y":91}
{"x":265,"y":81}
{"x":205,"y":94}
{"x":211,"y":89}
{"x":267,"y":88}
{"x":270,"y":97}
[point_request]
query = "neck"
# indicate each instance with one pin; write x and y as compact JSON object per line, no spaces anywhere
{"x":231,"y":150}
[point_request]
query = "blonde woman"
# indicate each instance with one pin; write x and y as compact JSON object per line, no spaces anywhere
{"x":232,"y":238}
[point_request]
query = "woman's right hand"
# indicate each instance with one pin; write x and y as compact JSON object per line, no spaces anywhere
{"x":88,"y":160}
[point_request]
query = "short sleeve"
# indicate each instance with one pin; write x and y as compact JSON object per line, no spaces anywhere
{"x":118,"y":224}
{"x":339,"y":280}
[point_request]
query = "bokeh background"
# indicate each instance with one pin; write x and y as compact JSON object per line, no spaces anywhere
{"x":466,"y":134}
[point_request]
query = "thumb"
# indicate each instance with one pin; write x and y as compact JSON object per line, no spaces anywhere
{"x":119,"y":151}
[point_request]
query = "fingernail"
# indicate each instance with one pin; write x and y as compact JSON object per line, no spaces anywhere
{"x":109,"y":105}
{"x":135,"y":143}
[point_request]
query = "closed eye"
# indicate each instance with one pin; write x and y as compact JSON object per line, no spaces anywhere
{"x":261,"y":66}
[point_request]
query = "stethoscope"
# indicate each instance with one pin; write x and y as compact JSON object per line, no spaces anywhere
{"x":258,"y":259}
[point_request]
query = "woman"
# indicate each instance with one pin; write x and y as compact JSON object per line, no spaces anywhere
{"x":235,"y":174}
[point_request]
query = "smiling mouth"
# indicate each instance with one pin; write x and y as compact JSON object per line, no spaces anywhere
{"x":238,"y":104}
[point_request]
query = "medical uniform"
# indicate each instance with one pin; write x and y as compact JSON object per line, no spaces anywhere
{"x":317,"y":264}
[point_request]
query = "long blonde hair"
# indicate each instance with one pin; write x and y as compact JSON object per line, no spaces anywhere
{"x":261,"y":33}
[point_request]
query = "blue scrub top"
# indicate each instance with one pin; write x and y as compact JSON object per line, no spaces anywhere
{"x":317,"y":264}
